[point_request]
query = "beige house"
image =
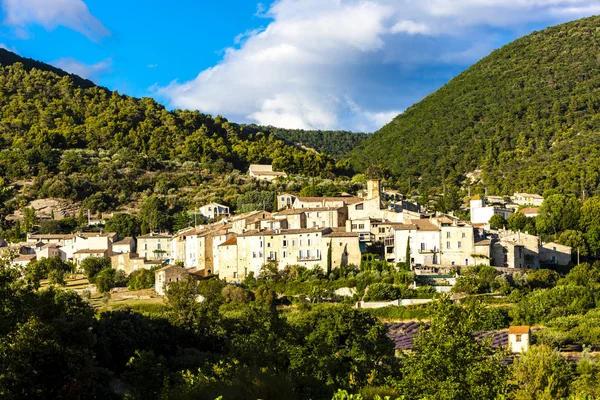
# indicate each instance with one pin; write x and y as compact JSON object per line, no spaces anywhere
{"x":518,"y":339}
{"x":555,"y":253}
{"x":165,"y":275}
{"x":307,"y":247}
{"x":530,"y":212}
{"x":318,"y":217}
{"x":129,"y":262}
{"x":322,"y":202}
{"x":81,"y":255}
{"x":23,"y":260}
{"x":508,"y":255}
{"x":126,"y":245}
{"x":49,"y":250}
{"x":214,"y":211}
{"x":265,"y":172}
{"x":154,"y":246}
{"x":248,"y":221}
{"x":345,"y":248}
{"x":525,"y":199}
{"x":285,"y":201}
{"x":229,"y":269}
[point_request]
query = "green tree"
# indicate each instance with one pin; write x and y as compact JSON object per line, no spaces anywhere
{"x":575,"y":239}
{"x":516,"y":221}
{"x":590,"y":214}
{"x":338,"y":347}
{"x":125,"y":225}
{"x":29,"y":219}
{"x":448,"y":362}
{"x":153,"y":215}
{"x":497,"y":221}
{"x":558,"y":213}
{"x":93,"y":265}
{"x":541,"y":374}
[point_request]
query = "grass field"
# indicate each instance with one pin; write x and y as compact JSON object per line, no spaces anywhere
{"x":144,"y":301}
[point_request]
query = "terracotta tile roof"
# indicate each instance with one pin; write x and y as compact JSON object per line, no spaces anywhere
{"x":519,"y":330}
{"x":127,"y":241}
{"x":25,"y":257}
{"x":91,"y":251}
{"x":273,"y":232}
{"x":424,"y":225}
{"x":529,"y":210}
{"x":229,"y":242}
{"x":346,"y":200}
{"x":155,"y":236}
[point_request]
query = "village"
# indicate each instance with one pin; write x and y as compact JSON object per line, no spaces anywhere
{"x":315,"y":232}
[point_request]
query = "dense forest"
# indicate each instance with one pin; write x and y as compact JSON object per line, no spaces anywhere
{"x":334,"y":143}
{"x":63,"y":137}
{"x":527,"y":115}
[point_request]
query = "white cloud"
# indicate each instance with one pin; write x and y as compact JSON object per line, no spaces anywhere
{"x":351,"y":63}
{"x":86,"y":71}
{"x":73,"y":14}
{"x":410,"y":27}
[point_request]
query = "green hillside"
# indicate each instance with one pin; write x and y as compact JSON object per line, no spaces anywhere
{"x":61,"y":138}
{"x":527,"y":115}
{"x":334,"y":143}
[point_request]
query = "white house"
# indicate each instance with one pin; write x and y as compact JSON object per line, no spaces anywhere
{"x":518,"y":339}
{"x":264,"y":172}
{"x":481,"y":214}
{"x":214,"y":210}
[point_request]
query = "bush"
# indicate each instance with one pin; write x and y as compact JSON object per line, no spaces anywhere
{"x":383,"y":291}
{"x":141,"y":279}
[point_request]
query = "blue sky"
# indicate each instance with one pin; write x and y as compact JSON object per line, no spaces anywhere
{"x":320,"y":64}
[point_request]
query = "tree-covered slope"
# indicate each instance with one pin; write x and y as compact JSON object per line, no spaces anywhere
{"x":527,"y":115}
{"x":9,"y":58}
{"x":334,"y":143}
{"x":107,"y":149}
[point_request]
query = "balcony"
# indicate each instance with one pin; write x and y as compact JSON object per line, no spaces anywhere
{"x":428,"y":251}
{"x":389,"y":241}
{"x":309,"y":258}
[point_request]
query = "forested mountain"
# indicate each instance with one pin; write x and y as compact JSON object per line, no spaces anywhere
{"x":527,"y":115}
{"x":9,"y":58}
{"x":334,"y":143}
{"x":88,"y":143}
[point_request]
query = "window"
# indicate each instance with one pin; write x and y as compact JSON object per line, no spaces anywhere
{"x":158,"y":246}
{"x":553,"y":259}
{"x":307,"y":215}
{"x":309,"y":242}
{"x":354,"y":226}
{"x":314,"y":224}
{"x":284,"y":244}
{"x":466,"y":261}
{"x":359,"y":206}
{"x":145,"y":246}
{"x":300,"y":242}
{"x":464,"y":235}
{"x":381,"y":230}
{"x":447,"y":235}
{"x":300,"y":254}
{"x":423,"y":247}
{"x":459,"y":245}
{"x":308,"y":253}
{"x":260,"y":254}
{"x":517,"y":338}
{"x":293,"y":243}
{"x":253,"y":254}
{"x":319,"y":214}
{"x":283,"y":199}
{"x":269,"y":244}
{"x":447,"y":245}
{"x":235,"y":275}
{"x":318,"y":253}
{"x":361,"y":226}
{"x":284,"y":254}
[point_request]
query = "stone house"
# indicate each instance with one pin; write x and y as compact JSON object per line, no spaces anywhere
{"x":555,"y":253}
{"x":166,"y":275}
{"x":130,"y":262}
